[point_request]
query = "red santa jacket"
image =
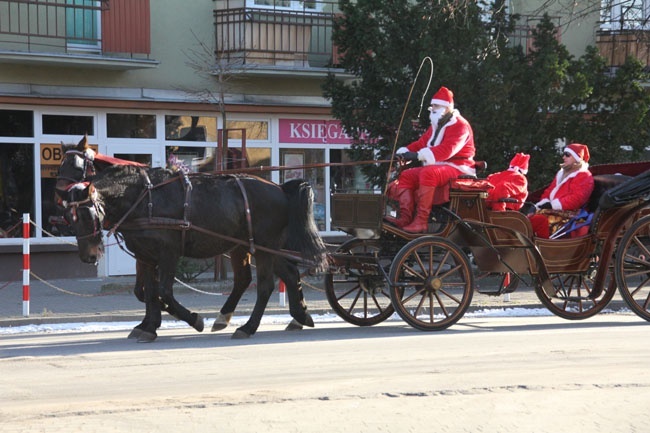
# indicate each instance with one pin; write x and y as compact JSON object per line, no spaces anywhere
{"x":453,"y":146}
{"x":507,"y":184}
{"x":570,"y":193}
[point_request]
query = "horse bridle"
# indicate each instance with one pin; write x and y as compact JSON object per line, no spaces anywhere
{"x":91,"y":203}
{"x":88,"y":167}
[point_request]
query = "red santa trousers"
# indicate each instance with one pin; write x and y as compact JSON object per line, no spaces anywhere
{"x":430,"y":175}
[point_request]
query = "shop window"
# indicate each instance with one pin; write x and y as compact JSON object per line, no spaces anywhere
{"x":255,"y":130}
{"x":16,"y":187}
{"x":301,"y":159}
{"x":346,"y":177}
{"x":16,"y":123}
{"x":68,"y":125}
{"x":130,"y":125}
{"x":190,"y":128}
{"x":195,"y":159}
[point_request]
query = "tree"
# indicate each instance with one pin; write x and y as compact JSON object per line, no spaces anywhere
{"x":516,"y":102}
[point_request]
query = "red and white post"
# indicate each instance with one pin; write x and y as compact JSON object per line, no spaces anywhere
{"x":282,"y":291}
{"x":26,"y":264}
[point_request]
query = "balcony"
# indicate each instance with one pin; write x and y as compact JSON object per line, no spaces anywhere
{"x":617,"y":45}
{"x":78,"y":33}
{"x":281,"y":37}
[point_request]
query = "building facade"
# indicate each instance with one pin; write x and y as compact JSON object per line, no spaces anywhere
{"x":137,"y":77}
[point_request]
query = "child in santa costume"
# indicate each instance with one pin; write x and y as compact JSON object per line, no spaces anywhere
{"x":509,"y":184}
{"x":446,"y":150}
{"x":568,"y":192}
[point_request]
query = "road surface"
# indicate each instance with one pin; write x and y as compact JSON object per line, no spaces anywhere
{"x":508,"y":374}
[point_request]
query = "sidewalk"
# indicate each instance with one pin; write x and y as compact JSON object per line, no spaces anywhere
{"x":112,"y":299}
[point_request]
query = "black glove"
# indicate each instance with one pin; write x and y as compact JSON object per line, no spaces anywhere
{"x":408,"y":156}
{"x":546,"y":205}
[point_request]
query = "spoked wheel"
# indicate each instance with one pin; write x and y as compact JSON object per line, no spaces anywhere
{"x":572,"y":298}
{"x":359,"y":295}
{"x":431,"y":283}
{"x":633,"y":268}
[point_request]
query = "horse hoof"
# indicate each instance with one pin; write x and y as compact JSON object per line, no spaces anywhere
{"x":309,"y":321}
{"x":221,"y":322}
{"x":240,"y":335}
{"x":135,"y":333}
{"x":198,"y":323}
{"x":147,"y":337}
{"x":293,"y":326}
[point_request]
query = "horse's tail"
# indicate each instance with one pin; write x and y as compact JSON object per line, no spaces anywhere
{"x":302,"y":233}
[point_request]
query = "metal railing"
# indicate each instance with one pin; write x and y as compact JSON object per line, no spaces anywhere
{"x":62,"y":27}
{"x":276,"y":36}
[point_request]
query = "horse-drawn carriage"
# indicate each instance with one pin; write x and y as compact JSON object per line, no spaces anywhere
{"x":429,"y":279}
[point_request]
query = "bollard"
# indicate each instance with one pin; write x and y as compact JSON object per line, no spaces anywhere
{"x":26,"y":264}
{"x":282,"y":289}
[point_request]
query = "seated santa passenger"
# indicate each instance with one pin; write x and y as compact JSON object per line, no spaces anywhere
{"x":567,"y":194}
{"x":509,"y":184}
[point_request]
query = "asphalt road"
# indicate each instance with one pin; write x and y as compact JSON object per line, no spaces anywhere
{"x":509,"y":374}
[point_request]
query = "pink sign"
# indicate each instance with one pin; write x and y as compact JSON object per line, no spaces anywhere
{"x":310,"y":131}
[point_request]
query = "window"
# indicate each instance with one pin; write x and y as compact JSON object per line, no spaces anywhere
{"x":625,"y":15}
{"x":16,"y":123}
{"x":255,"y":130}
{"x":131,"y":125}
{"x":82,"y":21}
{"x":16,"y":187}
{"x":286,"y":4}
{"x":68,"y":125}
{"x":190,"y":128}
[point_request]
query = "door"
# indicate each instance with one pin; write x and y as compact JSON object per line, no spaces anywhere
{"x":119,"y":262}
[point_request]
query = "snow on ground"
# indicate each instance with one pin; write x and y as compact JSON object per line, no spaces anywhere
{"x":281,"y":319}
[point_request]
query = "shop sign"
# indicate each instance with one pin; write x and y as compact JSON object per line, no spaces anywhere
{"x":311,"y":131}
{"x":51,"y":156}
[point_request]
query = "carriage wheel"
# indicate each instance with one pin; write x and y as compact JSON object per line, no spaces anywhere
{"x":633,"y":268}
{"x":572,"y":299}
{"x":431,"y":283}
{"x":359,"y":296}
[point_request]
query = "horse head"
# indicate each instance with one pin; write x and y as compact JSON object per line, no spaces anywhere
{"x":76,"y":166}
{"x":84,"y":212}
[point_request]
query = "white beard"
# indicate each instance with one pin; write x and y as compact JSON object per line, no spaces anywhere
{"x":434,"y":117}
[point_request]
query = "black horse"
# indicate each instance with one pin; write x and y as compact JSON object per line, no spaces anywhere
{"x":163,"y":216}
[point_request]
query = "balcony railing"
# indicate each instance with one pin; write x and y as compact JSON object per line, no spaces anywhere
{"x":617,"y":46}
{"x":276,"y":37}
{"x":60,"y":28}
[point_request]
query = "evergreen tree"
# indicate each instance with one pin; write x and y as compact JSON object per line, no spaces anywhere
{"x":531,"y":102}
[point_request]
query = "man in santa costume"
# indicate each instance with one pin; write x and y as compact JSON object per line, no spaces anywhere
{"x":446,"y":150}
{"x":511,"y":184}
{"x":569,"y":190}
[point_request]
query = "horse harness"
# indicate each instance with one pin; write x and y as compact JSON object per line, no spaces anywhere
{"x":154,"y":222}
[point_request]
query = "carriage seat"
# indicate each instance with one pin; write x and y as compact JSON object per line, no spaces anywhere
{"x":602,"y":183}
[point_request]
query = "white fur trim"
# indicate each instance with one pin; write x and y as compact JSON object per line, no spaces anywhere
{"x":555,"y":204}
{"x":440,"y":102}
{"x":401,"y":150}
{"x":426,"y":156}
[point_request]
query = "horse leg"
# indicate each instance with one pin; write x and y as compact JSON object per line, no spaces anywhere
{"x":288,"y":272}
{"x":147,"y":281}
{"x":168,"y":301}
{"x":265,"y":283}
{"x":145,"y":332}
{"x":241,"y":265}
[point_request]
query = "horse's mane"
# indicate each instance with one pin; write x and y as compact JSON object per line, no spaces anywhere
{"x":128,"y":175}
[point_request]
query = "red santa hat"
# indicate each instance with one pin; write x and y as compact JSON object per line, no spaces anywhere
{"x":520,"y":163}
{"x":580,"y":152}
{"x":443,"y":97}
